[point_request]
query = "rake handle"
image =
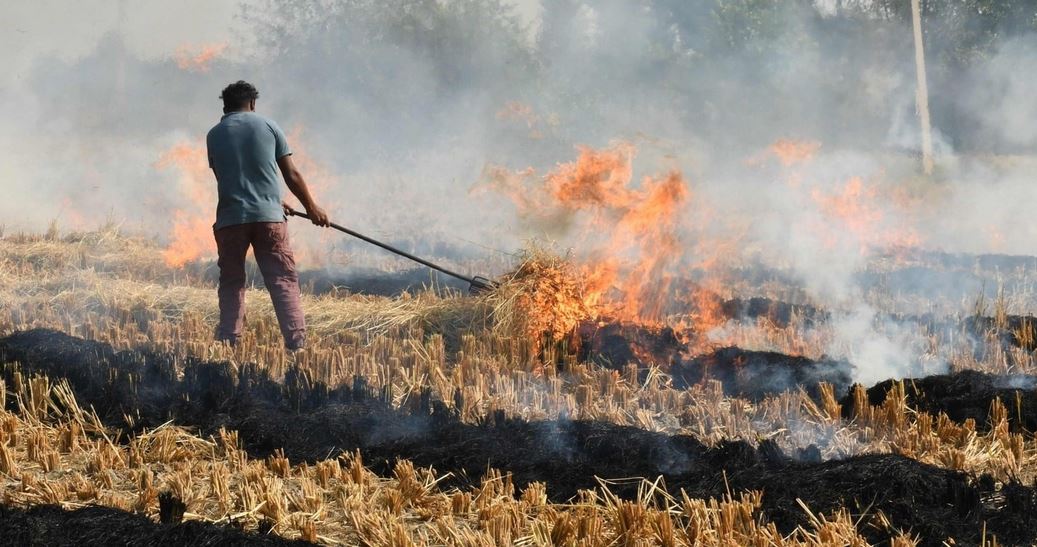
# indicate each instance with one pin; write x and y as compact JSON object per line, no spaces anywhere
{"x":477,"y":282}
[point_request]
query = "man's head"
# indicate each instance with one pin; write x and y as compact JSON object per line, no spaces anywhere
{"x":239,"y":95}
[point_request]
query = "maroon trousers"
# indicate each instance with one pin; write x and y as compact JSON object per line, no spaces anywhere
{"x":269,"y":241}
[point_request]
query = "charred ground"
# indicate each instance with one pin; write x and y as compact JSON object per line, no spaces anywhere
{"x":965,"y":395}
{"x":96,"y":525}
{"x":756,"y":374}
{"x":743,"y":373}
{"x":311,"y":422}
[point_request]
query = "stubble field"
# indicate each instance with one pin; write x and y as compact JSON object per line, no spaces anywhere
{"x":429,"y":416}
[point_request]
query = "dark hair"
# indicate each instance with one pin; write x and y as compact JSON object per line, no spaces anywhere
{"x":238,"y":94}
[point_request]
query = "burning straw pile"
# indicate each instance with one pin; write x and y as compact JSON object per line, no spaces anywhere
{"x":542,"y":300}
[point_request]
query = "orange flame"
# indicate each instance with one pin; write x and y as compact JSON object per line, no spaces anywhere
{"x":630,"y":231}
{"x":197,"y":58}
{"x":790,"y":152}
{"x":856,"y":208}
{"x":191,"y":236}
{"x":309,"y":245}
{"x":318,"y":177}
{"x":518,"y":112}
{"x":522,"y":113}
{"x":853,"y":206}
{"x":71,"y":215}
{"x":997,"y":238}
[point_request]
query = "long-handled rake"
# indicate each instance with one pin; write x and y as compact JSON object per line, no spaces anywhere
{"x":476,"y":284}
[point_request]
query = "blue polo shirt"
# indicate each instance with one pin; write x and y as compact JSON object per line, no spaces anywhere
{"x":243,"y":152}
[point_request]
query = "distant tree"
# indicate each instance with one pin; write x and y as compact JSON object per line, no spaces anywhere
{"x":465,"y":42}
{"x":402,"y":72}
{"x":748,"y":24}
{"x":556,"y":36}
{"x":600,"y":69}
{"x":959,"y":31}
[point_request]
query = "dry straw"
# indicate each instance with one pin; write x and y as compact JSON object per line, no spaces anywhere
{"x":339,"y":501}
{"x":543,"y":299}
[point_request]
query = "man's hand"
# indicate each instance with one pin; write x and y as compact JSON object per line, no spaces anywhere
{"x":288,"y":211}
{"x":317,"y":215}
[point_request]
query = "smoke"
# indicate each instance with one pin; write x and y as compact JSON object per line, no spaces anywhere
{"x":883,"y":348}
{"x":400,"y":106}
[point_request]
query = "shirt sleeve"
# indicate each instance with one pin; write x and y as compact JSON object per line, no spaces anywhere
{"x":281,"y":148}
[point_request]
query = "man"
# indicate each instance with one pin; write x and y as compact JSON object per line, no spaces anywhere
{"x":245,"y":152}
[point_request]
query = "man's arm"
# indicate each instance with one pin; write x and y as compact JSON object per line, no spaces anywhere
{"x":293,"y":178}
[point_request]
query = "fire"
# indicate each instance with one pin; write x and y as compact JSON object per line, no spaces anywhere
{"x":790,"y":152}
{"x":857,"y":209}
{"x":542,"y":299}
{"x":198,"y":58}
{"x":627,"y":233}
{"x":598,"y":180}
{"x":522,"y":113}
{"x":997,"y":238}
{"x":853,"y":206}
{"x":787,"y":152}
{"x":71,"y":215}
{"x":519,"y":112}
{"x":708,"y":306}
{"x":191,"y":236}
{"x":310,"y":245}
{"x":648,"y":228}
{"x":318,"y":177}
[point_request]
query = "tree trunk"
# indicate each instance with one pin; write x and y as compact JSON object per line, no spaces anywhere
{"x":922,"y":91}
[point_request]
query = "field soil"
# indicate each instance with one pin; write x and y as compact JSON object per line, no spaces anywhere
{"x":965,"y":395}
{"x":614,"y":345}
{"x":1012,"y":330}
{"x":757,"y":374}
{"x":778,"y":313}
{"x":312,"y":422}
{"x":104,"y":526}
{"x":743,"y":373}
